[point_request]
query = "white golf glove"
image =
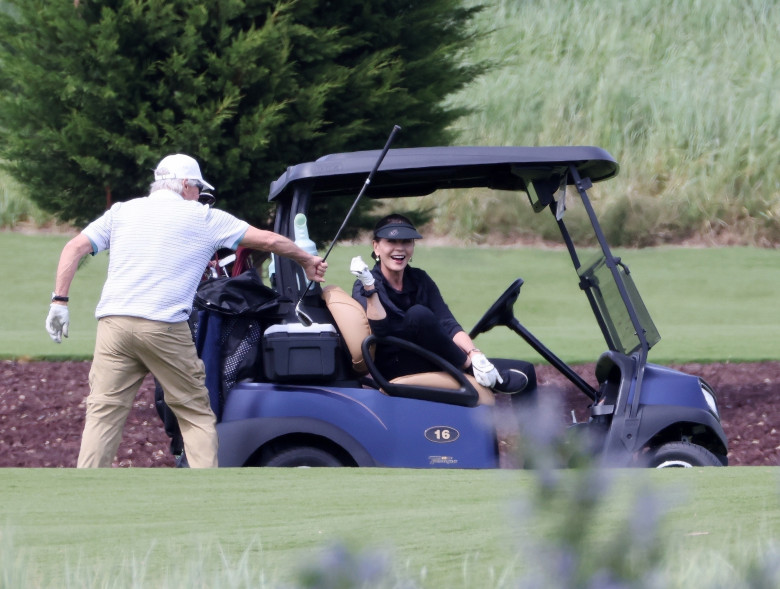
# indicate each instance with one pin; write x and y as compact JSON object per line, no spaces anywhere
{"x":360,"y":269}
{"x":57,"y":322}
{"x":484,"y":371}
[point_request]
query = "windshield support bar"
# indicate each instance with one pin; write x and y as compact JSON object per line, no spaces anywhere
{"x":584,"y":285}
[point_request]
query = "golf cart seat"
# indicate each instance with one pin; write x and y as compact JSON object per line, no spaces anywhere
{"x":447,"y":386}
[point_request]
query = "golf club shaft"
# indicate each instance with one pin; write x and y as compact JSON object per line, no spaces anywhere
{"x":379,"y":160}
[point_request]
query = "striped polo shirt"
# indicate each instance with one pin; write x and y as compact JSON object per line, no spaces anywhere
{"x":160,"y":245}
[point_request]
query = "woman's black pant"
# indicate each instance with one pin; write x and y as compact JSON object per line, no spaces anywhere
{"x":423,"y":328}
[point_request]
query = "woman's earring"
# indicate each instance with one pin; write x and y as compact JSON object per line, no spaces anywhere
{"x":411,"y":260}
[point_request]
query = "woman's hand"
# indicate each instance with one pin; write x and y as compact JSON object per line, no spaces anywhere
{"x":484,"y":371}
{"x":360,"y":269}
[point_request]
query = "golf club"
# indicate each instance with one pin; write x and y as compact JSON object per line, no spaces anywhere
{"x":302,"y":316}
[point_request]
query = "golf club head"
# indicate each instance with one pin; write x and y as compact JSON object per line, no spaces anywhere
{"x":305,"y":320}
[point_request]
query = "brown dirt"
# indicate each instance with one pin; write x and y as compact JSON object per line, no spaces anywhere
{"x":42,"y":413}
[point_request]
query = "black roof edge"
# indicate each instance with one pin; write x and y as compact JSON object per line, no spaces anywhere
{"x":422,"y":170}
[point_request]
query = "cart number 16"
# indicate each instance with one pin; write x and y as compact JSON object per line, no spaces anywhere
{"x":442,"y":434}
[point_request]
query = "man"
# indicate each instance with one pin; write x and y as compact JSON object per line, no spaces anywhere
{"x":166,"y":415}
{"x":159,"y":247}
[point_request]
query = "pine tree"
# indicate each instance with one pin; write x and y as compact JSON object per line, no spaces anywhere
{"x":93,"y":93}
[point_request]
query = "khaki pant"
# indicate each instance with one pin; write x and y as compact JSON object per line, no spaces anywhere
{"x":126,"y":350}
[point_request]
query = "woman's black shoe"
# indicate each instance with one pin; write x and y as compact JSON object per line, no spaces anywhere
{"x":515,"y":381}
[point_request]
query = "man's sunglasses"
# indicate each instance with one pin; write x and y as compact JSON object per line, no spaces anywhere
{"x":197,"y":184}
{"x":206,"y":198}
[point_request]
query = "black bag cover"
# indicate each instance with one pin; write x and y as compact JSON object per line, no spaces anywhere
{"x":243,"y":305}
{"x":244,"y":294}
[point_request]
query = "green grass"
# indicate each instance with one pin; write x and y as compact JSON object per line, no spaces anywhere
{"x":716,"y":304}
{"x":28,"y":265}
{"x":445,"y":529}
{"x":16,"y":206}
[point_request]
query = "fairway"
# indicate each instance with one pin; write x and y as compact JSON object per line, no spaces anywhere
{"x":443,"y":529}
{"x":713,"y":304}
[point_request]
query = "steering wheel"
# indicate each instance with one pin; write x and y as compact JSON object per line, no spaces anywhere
{"x":501,"y":312}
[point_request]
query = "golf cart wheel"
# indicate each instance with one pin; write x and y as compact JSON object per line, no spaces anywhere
{"x":303,"y":456}
{"x":681,"y":455}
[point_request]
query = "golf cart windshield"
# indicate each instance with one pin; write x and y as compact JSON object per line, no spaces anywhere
{"x":607,"y":282}
{"x":598,"y":281}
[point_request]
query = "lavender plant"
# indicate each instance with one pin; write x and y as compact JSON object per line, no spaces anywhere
{"x":569,"y":556}
{"x":340,"y":567}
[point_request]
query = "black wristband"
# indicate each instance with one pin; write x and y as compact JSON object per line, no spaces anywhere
{"x":367,"y":293}
{"x":59,"y":299}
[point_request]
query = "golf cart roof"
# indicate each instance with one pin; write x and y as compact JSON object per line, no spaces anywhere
{"x":423,"y":170}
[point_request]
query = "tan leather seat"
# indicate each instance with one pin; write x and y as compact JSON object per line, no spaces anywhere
{"x":353,"y":324}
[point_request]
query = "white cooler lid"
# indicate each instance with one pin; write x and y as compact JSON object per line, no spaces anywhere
{"x":299,"y":328}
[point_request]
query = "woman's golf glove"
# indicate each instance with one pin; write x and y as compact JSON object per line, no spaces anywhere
{"x":360,"y":269}
{"x":484,"y":371}
{"x":57,"y":322}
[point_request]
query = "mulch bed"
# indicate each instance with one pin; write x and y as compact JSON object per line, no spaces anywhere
{"x":42,"y":413}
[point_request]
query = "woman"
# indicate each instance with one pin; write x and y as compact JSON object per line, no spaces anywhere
{"x":405,"y":302}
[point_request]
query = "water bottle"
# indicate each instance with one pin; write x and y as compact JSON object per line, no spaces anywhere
{"x":302,"y":236}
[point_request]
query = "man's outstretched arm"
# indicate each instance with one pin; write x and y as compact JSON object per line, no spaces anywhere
{"x":268,"y":241}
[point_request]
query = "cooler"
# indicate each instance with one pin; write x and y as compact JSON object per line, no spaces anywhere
{"x":296,"y":352}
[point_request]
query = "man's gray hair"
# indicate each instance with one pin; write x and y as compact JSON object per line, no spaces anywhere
{"x":174,"y":184}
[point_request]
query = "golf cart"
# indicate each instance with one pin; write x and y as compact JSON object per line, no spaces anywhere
{"x":289,"y":392}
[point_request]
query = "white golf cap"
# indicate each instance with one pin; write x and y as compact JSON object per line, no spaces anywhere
{"x":179,"y":166}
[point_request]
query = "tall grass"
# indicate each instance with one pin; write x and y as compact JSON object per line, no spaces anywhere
{"x":684,"y":93}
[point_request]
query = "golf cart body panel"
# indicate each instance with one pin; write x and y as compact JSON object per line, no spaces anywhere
{"x":371,"y":428}
{"x":665,"y":386}
{"x":671,"y":407}
{"x":306,"y":393}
